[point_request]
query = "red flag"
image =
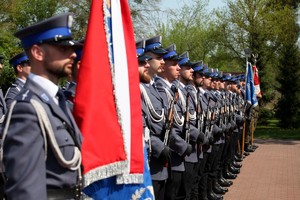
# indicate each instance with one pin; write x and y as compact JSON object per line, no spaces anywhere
{"x":107,"y":104}
{"x":256,"y":81}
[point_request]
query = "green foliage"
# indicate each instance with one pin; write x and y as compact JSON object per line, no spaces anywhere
{"x":144,"y":16}
{"x":17,"y":14}
{"x":288,"y":78}
{"x":7,"y":78}
{"x":190,"y":28}
{"x":277,"y":133}
{"x":271,"y":130}
{"x":25,"y":12}
{"x":264,"y":116}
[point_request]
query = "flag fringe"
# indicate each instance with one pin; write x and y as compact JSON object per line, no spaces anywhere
{"x":130,"y":179}
{"x":105,"y":171}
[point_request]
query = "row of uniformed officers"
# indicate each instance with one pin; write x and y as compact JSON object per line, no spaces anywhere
{"x":193,"y":119}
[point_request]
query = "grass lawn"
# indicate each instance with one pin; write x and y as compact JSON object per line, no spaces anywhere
{"x":271,"y":131}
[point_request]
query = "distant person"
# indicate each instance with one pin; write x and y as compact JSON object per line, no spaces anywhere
{"x":70,"y":90}
{"x":21,"y":66}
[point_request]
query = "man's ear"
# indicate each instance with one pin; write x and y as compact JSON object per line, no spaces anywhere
{"x":19,"y":68}
{"x":37,"y":52}
{"x":163,"y":68}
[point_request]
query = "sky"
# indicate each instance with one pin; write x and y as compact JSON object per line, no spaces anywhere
{"x":213,"y":4}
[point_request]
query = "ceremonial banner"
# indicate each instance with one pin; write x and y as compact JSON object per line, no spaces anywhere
{"x":256,"y":81}
{"x":250,"y":89}
{"x":107,"y":105}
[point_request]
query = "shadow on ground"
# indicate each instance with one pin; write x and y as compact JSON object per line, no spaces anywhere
{"x":275,"y":141}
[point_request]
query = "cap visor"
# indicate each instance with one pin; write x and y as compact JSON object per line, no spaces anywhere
{"x":144,"y":58}
{"x":198,"y":69}
{"x":175,"y":57}
{"x":188,"y":63}
{"x":71,"y":43}
{"x":159,"y":51}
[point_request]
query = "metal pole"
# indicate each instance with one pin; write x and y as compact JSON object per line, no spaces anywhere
{"x":247,"y":55}
{"x":255,"y":56}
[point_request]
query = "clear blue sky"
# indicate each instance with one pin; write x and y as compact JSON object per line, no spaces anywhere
{"x":178,"y":3}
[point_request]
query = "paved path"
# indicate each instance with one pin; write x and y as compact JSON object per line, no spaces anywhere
{"x":272,"y":172}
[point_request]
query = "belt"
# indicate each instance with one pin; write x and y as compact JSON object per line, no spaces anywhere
{"x":60,"y":194}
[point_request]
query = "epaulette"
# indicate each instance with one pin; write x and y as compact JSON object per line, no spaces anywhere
{"x":189,"y":88}
{"x":14,"y":85}
{"x":24,"y":96}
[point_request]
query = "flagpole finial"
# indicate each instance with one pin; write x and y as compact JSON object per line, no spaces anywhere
{"x":255,"y":56}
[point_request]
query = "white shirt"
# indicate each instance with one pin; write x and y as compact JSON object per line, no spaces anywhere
{"x":46,"y":84}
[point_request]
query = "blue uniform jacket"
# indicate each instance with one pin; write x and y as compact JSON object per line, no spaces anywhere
{"x":157,"y":169}
{"x":29,"y":174}
{"x":194,"y":132}
{"x":12,"y":92}
{"x":177,"y":143}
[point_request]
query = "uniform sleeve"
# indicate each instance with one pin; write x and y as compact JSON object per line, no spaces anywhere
{"x":194,"y":133}
{"x":2,"y":104}
{"x":177,"y":143}
{"x":157,"y":146}
{"x":10,"y":96}
{"x":24,"y":156}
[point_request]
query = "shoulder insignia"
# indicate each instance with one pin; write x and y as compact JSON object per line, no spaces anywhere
{"x":24,"y":96}
{"x":45,"y":97}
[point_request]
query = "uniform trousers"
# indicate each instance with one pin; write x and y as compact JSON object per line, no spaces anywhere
{"x":233,"y":144}
{"x":189,"y":176}
{"x":218,"y":162}
{"x":247,"y":131}
{"x":159,"y":189}
{"x":225,"y":159}
{"x":173,"y":185}
{"x":202,"y":186}
{"x":195,"y":184}
{"x":211,"y":166}
{"x":254,"y":119}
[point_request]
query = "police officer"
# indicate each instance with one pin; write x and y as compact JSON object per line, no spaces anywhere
{"x":200,"y":107}
{"x":21,"y":66}
{"x":222,"y":93}
{"x":70,"y":90}
{"x":216,"y":87}
{"x":167,"y":85}
{"x":38,"y":167}
{"x":196,"y":136}
{"x":207,"y":170}
{"x":154,"y":109}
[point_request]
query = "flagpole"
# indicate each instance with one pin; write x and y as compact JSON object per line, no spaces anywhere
{"x":252,"y":121}
{"x":247,"y":55}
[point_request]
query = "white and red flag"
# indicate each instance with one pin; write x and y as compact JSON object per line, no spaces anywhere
{"x":107,"y":105}
{"x":256,"y":81}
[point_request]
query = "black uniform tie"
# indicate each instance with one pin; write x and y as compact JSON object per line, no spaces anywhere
{"x":62,"y":101}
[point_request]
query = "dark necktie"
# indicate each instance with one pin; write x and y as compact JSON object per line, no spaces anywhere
{"x":62,"y":101}
{"x":154,"y":84}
